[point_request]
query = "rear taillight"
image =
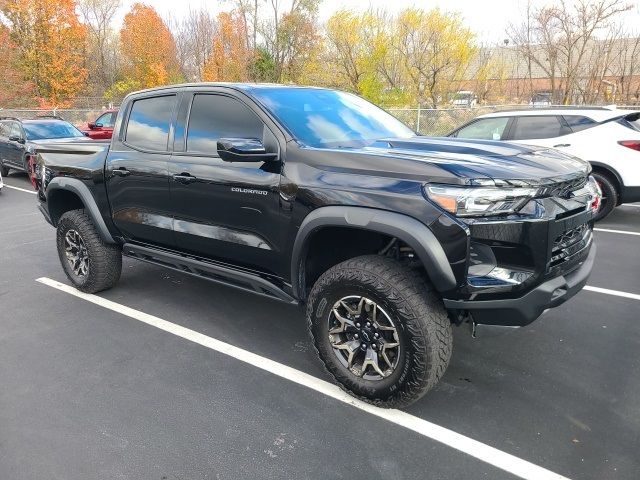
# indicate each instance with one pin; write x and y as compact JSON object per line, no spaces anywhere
{"x":632,"y":144}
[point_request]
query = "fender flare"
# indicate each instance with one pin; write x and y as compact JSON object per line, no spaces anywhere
{"x":611,"y":170}
{"x":81,"y":190}
{"x":414,"y":233}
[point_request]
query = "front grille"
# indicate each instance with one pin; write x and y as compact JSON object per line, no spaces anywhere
{"x":569,"y":248}
{"x":563,"y":189}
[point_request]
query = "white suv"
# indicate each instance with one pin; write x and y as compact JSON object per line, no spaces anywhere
{"x":607,"y":137}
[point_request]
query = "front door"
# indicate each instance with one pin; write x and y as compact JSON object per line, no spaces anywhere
{"x":103,"y":127}
{"x":226,"y":211}
{"x":137,"y":173}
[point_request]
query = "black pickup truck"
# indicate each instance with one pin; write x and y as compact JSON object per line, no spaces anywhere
{"x":318,"y":198}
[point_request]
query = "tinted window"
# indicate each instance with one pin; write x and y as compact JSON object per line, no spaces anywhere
{"x":49,"y":129}
{"x":528,"y":128}
{"x":327,"y":118}
{"x":216,"y":116}
{"x":15,"y":130}
{"x":149,"y":121}
{"x":578,"y":122}
{"x":107,"y":119}
{"x":485,"y":129}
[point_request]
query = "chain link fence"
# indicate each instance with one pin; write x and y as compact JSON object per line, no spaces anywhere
{"x":441,"y":121}
{"x":77,"y":116}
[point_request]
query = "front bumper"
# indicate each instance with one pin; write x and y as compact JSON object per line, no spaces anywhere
{"x":523,"y":310}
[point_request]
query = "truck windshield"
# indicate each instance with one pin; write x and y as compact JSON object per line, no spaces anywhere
{"x":50,"y":130}
{"x":330,"y":119}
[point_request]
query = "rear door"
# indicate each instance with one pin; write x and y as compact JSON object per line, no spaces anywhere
{"x":225,"y":211}
{"x":136,"y":171}
{"x":543,"y":130}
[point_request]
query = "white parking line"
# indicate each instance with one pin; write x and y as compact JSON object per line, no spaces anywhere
{"x":616,"y":293}
{"x":479,"y":450}
{"x":20,"y":189}
{"x":630,"y":205}
{"x":624,"y":232}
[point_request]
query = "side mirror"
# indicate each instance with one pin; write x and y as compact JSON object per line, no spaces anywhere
{"x":244,"y":150}
{"x":16,"y":138}
{"x":91,"y":125}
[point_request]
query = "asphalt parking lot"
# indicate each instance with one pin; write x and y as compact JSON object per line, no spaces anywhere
{"x":92,"y":392}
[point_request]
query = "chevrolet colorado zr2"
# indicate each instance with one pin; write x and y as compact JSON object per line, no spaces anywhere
{"x":318,"y":198}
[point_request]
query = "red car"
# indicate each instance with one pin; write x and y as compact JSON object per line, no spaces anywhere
{"x":102,"y":127}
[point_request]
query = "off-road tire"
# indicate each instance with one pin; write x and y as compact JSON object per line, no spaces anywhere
{"x":4,"y":170}
{"x":105,"y":260}
{"x":609,"y":192}
{"x":418,"y":313}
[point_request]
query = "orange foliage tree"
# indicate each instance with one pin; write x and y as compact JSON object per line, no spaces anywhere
{"x":148,"y":49}
{"x":50,"y":44}
{"x":14,"y":89}
{"x":231,"y":57}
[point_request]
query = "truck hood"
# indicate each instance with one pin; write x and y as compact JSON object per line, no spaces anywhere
{"x":463,"y":161}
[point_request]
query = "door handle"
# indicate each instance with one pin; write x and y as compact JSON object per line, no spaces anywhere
{"x":562,"y":145}
{"x":185,"y":178}
{"x":121,"y":172}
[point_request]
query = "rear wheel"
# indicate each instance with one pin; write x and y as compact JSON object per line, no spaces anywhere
{"x":380,"y":330}
{"x":609,"y":195}
{"x":4,"y":170}
{"x":91,"y":264}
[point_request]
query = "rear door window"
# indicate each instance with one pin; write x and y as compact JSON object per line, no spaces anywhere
{"x":217,"y":116}
{"x":529,"y":128}
{"x":578,"y":122}
{"x":149,"y":122}
{"x":485,"y":129}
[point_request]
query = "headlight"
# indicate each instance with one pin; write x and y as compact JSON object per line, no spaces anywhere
{"x":479,"y":201}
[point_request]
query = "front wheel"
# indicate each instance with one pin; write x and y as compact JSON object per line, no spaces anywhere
{"x":380,"y":330}
{"x":4,"y":170}
{"x":91,"y":264}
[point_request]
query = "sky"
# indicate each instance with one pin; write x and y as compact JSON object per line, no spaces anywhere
{"x":487,"y":18}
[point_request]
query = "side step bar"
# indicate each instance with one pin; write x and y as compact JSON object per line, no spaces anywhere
{"x":209,"y":271}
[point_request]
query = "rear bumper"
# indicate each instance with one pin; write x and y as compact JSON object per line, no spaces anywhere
{"x":523,"y":310}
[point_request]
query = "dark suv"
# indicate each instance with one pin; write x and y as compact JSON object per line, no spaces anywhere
{"x":318,"y":198}
{"x":20,"y":138}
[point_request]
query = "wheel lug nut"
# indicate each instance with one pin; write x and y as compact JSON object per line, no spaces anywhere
{"x":358,"y":325}
{"x":368,"y":324}
{"x":374,"y":346}
{"x":376,"y":335}
{"x":355,"y":336}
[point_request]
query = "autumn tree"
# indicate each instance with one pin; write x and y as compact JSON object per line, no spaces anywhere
{"x":194,"y":36}
{"x":148,"y":50}
{"x":289,"y":35}
{"x":435,"y":48}
{"x":15,"y":89}
{"x":50,"y":42}
{"x":102,"y":42}
{"x":231,"y":57}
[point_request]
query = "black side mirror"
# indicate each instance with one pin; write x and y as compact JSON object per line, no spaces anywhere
{"x":91,"y":125}
{"x":244,"y":150}
{"x":16,"y":138}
